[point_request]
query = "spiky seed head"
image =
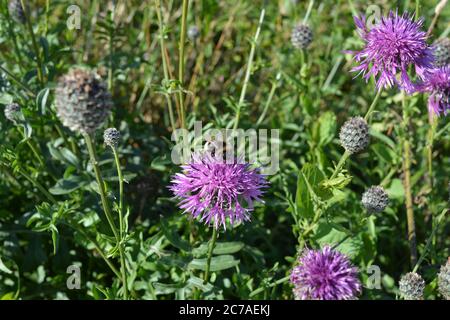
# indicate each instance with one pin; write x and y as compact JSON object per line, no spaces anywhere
{"x":13,"y":113}
{"x":354,"y":135}
{"x":111,"y":137}
{"x":16,"y":12}
{"x":441,"y":52}
{"x":444,"y":280}
{"x":193,"y":33}
{"x":411,"y":286}
{"x":301,"y":36}
{"x":82,"y":100}
{"x":375,"y":199}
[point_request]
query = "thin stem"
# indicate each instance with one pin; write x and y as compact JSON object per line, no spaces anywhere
{"x":181,"y":61}
{"x":269,"y":100}
{"x":372,"y":106}
{"x":18,"y":82}
{"x":97,"y":247}
{"x":407,"y":184}
{"x":106,"y":207}
{"x":38,"y":185}
{"x":120,"y":175}
{"x":274,"y":284}
{"x":34,"y":43}
{"x":340,"y":164}
{"x":122,"y":230}
{"x":437,"y":12}
{"x":212,"y":245}
{"x":32,"y":148}
{"x":248,"y":71}
{"x":111,"y":49}
{"x":308,"y":12}
{"x":164,"y":62}
{"x":430,"y":238}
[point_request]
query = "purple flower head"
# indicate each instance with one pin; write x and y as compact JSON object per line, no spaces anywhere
{"x":391,"y":46}
{"x":437,"y":84}
{"x":325,"y":275}
{"x":215,"y":190}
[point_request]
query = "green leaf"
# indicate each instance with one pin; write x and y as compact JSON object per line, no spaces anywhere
{"x":3,"y":267}
{"x":66,"y":186}
{"x":396,"y":189}
{"x":335,"y":235}
{"x":8,"y":296}
{"x":199,"y":283}
{"x":221,"y":248}
{"x":6,"y":98}
{"x":217,"y":263}
{"x":55,"y":238}
{"x":327,"y":128}
{"x":173,"y":237}
{"x":309,"y":190}
{"x":42,"y":98}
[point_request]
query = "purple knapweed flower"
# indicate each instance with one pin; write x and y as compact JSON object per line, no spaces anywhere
{"x":217,"y":191}
{"x":325,"y":275}
{"x":391,"y":46}
{"x":437,"y":84}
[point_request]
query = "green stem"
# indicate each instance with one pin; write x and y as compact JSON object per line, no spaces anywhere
{"x":18,"y":82}
{"x":106,"y":208}
{"x":212,"y":245}
{"x":164,"y":62}
{"x":308,"y":12}
{"x":269,"y":99}
{"x":38,"y":185}
{"x":274,"y":284}
{"x":407,"y":183}
{"x":248,"y":71}
{"x":181,"y":60}
{"x":32,"y":148}
{"x":430,"y":238}
{"x":34,"y":43}
{"x":97,"y":247}
{"x":120,"y":175}
{"x":111,"y":49}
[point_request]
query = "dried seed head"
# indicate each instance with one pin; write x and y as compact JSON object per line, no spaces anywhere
{"x":13,"y":113}
{"x":82,"y":101}
{"x":444,"y":280}
{"x":441,"y":52}
{"x":16,"y":11}
{"x":111,"y":137}
{"x":411,"y":286}
{"x":193,"y":33}
{"x":301,"y":36}
{"x":375,"y":199}
{"x":354,"y":135}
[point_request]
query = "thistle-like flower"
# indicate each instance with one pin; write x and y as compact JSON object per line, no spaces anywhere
{"x":16,"y":11}
{"x":391,"y":46}
{"x":375,"y":199}
{"x":13,"y":113}
{"x":82,"y":100}
{"x":444,"y":280}
{"x":193,"y":33}
{"x":217,"y":191}
{"x":111,"y":137}
{"x":437,"y":84}
{"x":325,"y":275}
{"x":354,"y":135}
{"x":411,"y":286}
{"x":301,"y":36}
{"x":441,"y":52}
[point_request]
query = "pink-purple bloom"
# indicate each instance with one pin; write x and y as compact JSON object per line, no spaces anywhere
{"x":217,"y":191}
{"x":325,"y":274}
{"x":393,"y":45}
{"x":437,"y":84}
